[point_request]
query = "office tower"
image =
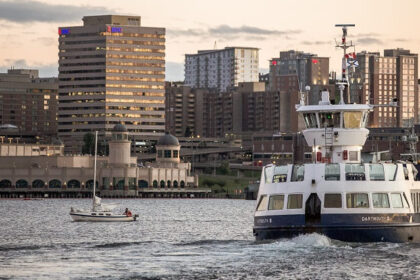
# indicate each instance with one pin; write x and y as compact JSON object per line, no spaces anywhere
{"x":291,"y":73}
{"x":221,"y":69}
{"x":111,"y":70}
{"x":381,"y":79}
{"x":29,"y":103}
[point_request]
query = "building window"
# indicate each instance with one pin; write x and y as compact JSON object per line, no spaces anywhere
{"x":167,"y":153}
{"x":175,"y":153}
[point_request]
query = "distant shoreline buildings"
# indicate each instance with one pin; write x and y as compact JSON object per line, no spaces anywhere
{"x":112,"y":71}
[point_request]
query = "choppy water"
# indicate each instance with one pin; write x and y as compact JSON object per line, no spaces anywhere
{"x":180,"y":239}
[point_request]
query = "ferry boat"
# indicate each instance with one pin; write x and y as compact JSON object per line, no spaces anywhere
{"x":338,"y":195}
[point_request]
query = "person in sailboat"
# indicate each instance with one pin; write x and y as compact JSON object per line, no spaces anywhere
{"x":127,"y":212}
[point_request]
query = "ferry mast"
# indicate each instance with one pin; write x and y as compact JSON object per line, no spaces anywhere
{"x":344,"y":45}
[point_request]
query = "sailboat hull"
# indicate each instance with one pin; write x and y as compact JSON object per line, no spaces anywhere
{"x":101,"y":217}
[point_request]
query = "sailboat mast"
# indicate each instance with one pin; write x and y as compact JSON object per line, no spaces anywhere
{"x":94,"y":168}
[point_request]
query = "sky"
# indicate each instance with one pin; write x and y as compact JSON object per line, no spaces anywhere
{"x":29,"y":38}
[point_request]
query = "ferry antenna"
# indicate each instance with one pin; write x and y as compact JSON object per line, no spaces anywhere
{"x":344,"y":46}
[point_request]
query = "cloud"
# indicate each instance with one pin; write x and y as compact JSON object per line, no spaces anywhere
{"x":184,"y":32}
{"x":317,"y":43}
{"x":226,"y":32}
{"x":359,"y":35}
{"x":401,"y":40}
{"x":369,"y":41}
{"x":45,"y":70}
{"x":249,"y":30}
{"x":33,"y":11}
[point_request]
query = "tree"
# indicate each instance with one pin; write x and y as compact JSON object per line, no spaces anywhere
{"x":224,"y":168}
{"x":88,"y":143}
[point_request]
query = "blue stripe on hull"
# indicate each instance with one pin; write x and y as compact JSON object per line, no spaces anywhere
{"x":344,"y":227}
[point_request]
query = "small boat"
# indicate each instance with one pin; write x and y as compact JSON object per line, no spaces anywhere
{"x":100,"y":212}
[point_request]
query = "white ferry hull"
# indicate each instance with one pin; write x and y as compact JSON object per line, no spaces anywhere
{"x":87,"y":217}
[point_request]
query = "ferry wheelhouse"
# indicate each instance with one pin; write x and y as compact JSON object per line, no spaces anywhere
{"x":338,"y":195}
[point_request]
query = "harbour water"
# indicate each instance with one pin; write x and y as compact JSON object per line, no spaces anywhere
{"x":179,"y":239}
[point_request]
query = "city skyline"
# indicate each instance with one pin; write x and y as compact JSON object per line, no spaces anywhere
{"x":30,"y":28}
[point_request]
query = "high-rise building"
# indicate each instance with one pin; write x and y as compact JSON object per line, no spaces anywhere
{"x":382,"y":79}
{"x":291,"y":73}
{"x":221,"y":69}
{"x":255,"y":109}
{"x":180,"y":109}
{"x":247,"y":108}
{"x":29,"y":103}
{"x":111,"y":70}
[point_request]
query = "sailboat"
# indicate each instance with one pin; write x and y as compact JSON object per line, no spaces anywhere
{"x":100,"y":212}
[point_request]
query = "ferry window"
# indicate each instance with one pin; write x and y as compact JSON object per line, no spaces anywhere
{"x":352,"y":119}
{"x":280,"y":174}
{"x":262,"y":204}
{"x":353,"y":155}
{"x":380,"y":200}
{"x":332,"y":172}
{"x":406,"y":204}
{"x":365,"y":119}
{"x":332,"y":200}
{"x":390,"y":171}
{"x":357,"y":200}
{"x":268,"y":173}
{"x":405,"y":169}
{"x":298,"y":173}
{"x":276,"y":202}
{"x":415,"y":172}
{"x":294,"y":201}
{"x":355,"y":172}
{"x":329,"y":119}
{"x":396,"y":200}
{"x":310,"y":120}
{"x":376,"y":172}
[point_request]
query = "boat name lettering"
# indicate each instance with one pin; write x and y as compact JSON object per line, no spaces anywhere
{"x":376,"y":219}
{"x":264,"y":221}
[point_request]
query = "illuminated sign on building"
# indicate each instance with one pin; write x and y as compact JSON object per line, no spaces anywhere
{"x":63,"y":31}
{"x":114,"y":29}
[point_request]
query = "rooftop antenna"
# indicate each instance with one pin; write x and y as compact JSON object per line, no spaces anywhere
{"x":344,"y":46}
{"x":215,"y":45}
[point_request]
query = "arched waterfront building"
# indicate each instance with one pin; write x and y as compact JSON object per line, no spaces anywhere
{"x":118,"y":175}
